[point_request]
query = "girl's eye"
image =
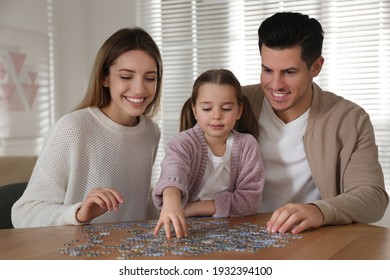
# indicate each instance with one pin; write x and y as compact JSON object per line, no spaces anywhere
{"x":206,"y":109}
{"x":126,"y":77}
{"x":226,"y":109}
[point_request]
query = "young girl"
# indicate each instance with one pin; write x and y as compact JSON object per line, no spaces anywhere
{"x":97,"y":161}
{"x":211,"y":169}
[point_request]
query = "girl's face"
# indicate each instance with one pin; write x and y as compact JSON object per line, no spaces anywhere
{"x":132,"y":81}
{"x":216,"y":110}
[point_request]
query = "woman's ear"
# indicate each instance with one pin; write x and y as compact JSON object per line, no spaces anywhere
{"x":105,"y":82}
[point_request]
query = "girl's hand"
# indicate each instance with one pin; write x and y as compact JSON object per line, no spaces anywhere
{"x":172,"y":212}
{"x":98,"y":202}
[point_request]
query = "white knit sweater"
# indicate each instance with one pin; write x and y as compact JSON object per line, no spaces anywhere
{"x":86,"y":150}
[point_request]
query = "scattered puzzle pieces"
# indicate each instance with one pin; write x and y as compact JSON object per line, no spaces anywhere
{"x":205,"y":236}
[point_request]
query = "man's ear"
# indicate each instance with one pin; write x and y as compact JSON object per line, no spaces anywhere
{"x":317,"y":66}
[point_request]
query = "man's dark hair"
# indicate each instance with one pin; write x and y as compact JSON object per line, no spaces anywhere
{"x":287,"y":29}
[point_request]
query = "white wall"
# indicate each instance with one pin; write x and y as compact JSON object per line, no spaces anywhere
{"x":24,"y":14}
{"x":79,"y":28}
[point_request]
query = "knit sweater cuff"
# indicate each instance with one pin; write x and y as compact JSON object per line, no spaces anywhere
{"x":222,"y":205}
{"x":70,"y":215}
{"x":327,"y":210}
{"x":169,"y":182}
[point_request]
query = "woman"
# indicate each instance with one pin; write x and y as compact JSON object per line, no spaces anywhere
{"x":96,"y":164}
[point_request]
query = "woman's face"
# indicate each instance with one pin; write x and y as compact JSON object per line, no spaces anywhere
{"x":132,"y":82}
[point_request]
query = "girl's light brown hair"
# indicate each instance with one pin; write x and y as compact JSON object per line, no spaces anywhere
{"x":246,"y":124}
{"x":123,"y":40}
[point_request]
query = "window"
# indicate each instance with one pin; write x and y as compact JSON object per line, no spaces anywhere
{"x":201,"y":34}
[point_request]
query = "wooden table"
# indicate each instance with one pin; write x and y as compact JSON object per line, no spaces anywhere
{"x":346,"y":242}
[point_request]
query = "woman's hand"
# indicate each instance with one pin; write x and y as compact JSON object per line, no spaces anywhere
{"x":98,"y":202}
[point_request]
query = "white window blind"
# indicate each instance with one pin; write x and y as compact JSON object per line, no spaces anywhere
{"x":201,"y":34}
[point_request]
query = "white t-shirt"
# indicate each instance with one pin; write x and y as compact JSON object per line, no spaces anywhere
{"x":288,"y":176}
{"x":217,"y":173}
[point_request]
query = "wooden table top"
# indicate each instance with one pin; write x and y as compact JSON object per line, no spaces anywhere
{"x":345,"y":242}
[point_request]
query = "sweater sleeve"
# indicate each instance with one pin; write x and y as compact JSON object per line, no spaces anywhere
{"x":246,"y":179}
{"x":363,"y":197}
{"x":176,"y":169}
{"x":42,"y":204}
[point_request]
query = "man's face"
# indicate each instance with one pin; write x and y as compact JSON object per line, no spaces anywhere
{"x":287,"y":81}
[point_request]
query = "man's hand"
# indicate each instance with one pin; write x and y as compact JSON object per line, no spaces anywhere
{"x":295,"y":217}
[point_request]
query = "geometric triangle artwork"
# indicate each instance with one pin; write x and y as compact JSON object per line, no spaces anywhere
{"x":30,"y":90}
{"x":14,"y":101}
{"x":17,"y":60}
{"x":33,"y":76}
{"x":3,"y":71}
{"x":19,"y":86}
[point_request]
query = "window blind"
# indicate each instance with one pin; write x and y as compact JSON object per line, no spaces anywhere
{"x":201,"y":34}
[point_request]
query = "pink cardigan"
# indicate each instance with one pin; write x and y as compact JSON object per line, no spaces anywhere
{"x":184,"y":166}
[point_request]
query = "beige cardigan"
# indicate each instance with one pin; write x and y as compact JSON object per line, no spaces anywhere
{"x":343,"y":157}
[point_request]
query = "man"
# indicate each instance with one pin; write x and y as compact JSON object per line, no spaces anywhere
{"x":319,"y":152}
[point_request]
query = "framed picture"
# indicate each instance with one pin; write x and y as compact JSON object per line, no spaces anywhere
{"x":25,"y":98}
